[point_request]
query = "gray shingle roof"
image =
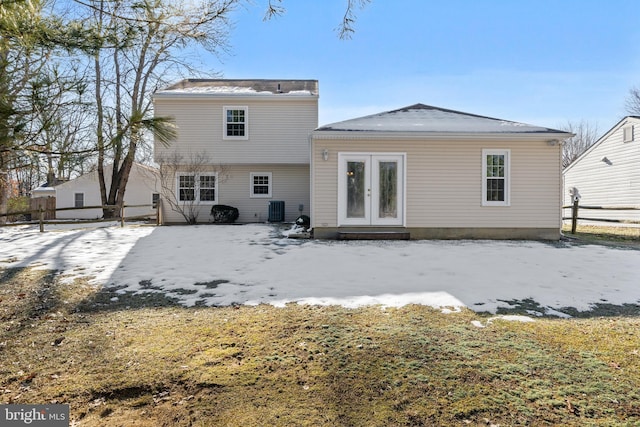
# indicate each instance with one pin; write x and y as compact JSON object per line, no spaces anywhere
{"x":426,"y":118}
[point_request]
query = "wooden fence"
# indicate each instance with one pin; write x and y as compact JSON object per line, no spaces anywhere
{"x":575,"y":208}
{"x":40,"y":213}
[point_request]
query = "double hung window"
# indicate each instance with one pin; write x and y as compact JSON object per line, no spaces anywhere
{"x":235,"y":122}
{"x":197,"y":187}
{"x":495,"y":177}
{"x":261,"y":183}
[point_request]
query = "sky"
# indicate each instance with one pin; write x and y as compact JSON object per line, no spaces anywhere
{"x":542,"y":62}
{"x":255,"y":263}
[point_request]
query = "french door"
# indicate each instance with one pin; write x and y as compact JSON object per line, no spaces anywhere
{"x":370,"y":189}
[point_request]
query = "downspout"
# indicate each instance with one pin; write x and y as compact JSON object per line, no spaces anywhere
{"x":311,"y":180}
{"x":561,"y":180}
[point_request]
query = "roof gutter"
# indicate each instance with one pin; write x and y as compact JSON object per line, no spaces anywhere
{"x":550,"y":137}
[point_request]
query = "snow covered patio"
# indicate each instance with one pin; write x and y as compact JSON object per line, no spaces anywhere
{"x":253,"y":264}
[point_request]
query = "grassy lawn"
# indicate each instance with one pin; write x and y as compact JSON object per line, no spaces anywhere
{"x":142,"y":361}
{"x":604,"y":234}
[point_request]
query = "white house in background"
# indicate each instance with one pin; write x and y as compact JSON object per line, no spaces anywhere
{"x":608,"y":173}
{"x":43,"y":191}
{"x":142,"y":189}
{"x":243,"y":143}
{"x":427,"y":172}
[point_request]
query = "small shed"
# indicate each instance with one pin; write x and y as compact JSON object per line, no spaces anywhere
{"x":143,"y":188}
{"x":428,"y":172}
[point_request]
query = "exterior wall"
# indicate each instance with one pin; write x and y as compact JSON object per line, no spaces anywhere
{"x":143,"y":182}
{"x":445,"y":233}
{"x":290,"y":184}
{"x":444,"y":185}
{"x":278,"y":129}
{"x":603,"y":184}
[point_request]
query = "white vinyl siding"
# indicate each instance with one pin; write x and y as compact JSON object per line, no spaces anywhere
{"x":290,"y":183}
{"x":278,"y":130}
{"x":443,"y":184}
{"x":143,"y":181}
{"x":602,"y":183}
{"x":260,"y":184}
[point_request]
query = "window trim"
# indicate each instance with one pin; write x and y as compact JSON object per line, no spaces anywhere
{"x":246,"y":122}
{"x":75,"y":200}
{"x":196,"y":190}
{"x":270,"y":185}
{"x":628,"y":134}
{"x":507,"y":176}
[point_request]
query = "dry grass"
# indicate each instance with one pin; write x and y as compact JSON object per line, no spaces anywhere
{"x":144,"y":362}
{"x":605,"y":234}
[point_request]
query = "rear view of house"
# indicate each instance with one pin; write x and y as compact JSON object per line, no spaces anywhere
{"x":243,"y":143}
{"x":429,"y":172}
{"x":608,"y":173}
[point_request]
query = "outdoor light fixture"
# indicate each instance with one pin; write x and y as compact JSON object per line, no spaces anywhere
{"x":607,"y":161}
{"x":325,"y":154}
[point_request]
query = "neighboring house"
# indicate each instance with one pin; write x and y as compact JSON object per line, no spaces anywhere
{"x":428,"y":172}
{"x":142,"y":189}
{"x":608,"y":173}
{"x":243,"y":143}
{"x":43,"y":191}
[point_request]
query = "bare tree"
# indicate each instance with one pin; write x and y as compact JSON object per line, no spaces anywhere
{"x":585,"y":135}
{"x":633,"y":102}
{"x":347,"y":26}
{"x":185,"y":201}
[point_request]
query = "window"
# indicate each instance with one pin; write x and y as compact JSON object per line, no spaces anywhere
{"x":235,"y":123}
{"x":627,"y":134}
{"x":495,"y":177}
{"x":155,"y":198}
{"x":78,"y":200}
{"x":197,"y":187}
{"x":260,"y":184}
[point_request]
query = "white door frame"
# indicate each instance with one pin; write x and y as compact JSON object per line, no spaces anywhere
{"x":371,"y":177}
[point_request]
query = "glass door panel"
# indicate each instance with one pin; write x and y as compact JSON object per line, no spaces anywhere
{"x":388,"y":191}
{"x":370,"y":189}
{"x":356,"y":189}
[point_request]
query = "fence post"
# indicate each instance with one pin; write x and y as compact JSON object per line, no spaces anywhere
{"x":158,"y":212}
{"x":41,"y":220}
{"x":574,"y":215}
{"x":122,"y":216}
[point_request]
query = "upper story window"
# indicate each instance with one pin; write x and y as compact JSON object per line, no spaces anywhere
{"x":260,"y":184}
{"x":627,"y":133}
{"x":197,"y":187}
{"x":495,"y":177}
{"x":236,"y":123}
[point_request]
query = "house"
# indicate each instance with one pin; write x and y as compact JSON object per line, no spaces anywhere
{"x":242,"y":143}
{"x":142,"y":189}
{"x":43,"y":191}
{"x":426,"y":172}
{"x":608,"y":173}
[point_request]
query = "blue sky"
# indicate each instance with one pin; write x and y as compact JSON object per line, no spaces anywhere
{"x":541,"y":62}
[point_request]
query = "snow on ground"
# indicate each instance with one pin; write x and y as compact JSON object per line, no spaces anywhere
{"x":252,"y":264}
